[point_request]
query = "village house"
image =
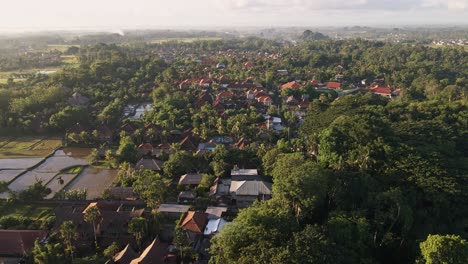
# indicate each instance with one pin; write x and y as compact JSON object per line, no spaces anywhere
{"x":244,"y":193}
{"x":207,"y":146}
{"x":145,"y":149}
{"x":173,"y":211}
{"x":191,"y":180}
{"x":291,"y":85}
{"x":188,"y":143}
{"x":186,"y":197}
{"x":103,"y":133}
{"x":334,"y":85}
{"x":125,"y":256}
{"x":243,"y":174}
{"x":156,"y":252}
{"x":122,"y":193}
{"x":128,"y":129}
{"x":242,"y":143}
{"x":224,"y":97}
{"x":78,"y":99}
{"x":315,"y":83}
{"x":215,"y":212}
{"x":149,"y":164}
{"x":204,"y":98}
{"x":194,"y":224}
{"x":248,"y":65}
{"x":18,"y":243}
{"x":265,"y":100}
{"x":113,"y":222}
{"x":214,"y":226}
{"x":219,"y":191}
{"x":206,"y":83}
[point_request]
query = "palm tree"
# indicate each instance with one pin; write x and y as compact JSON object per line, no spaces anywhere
{"x":137,"y":227}
{"x":92,"y":216}
{"x":68,"y":234}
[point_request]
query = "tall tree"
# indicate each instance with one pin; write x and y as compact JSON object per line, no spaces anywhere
{"x":444,"y":249}
{"x":138,"y":228}
{"x":93,"y":216}
{"x":151,"y":187}
{"x":68,"y":234}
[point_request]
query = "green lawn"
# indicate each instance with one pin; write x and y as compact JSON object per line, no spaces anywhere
{"x":27,"y":147}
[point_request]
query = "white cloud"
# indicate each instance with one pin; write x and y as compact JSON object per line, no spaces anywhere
{"x":48,"y":14}
{"x":450,"y":4}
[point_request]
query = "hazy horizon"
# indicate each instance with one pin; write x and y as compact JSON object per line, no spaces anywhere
{"x":106,"y":15}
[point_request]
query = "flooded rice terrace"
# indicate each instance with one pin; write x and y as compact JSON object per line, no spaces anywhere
{"x":15,"y":164}
{"x":48,"y":170}
{"x":63,"y":159}
{"x":94,"y":180}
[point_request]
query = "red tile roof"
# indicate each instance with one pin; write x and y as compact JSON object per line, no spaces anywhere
{"x":264,"y":98}
{"x":291,"y":85}
{"x":147,"y":147}
{"x":333,"y":85}
{"x":248,"y":64}
{"x":195,"y":222}
{"x":224,"y":94}
{"x":314,"y":82}
{"x":384,"y":90}
{"x":206,"y":80}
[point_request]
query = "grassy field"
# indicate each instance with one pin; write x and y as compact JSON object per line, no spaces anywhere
{"x":159,"y":41}
{"x":7,"y":74}
{"x":27,"y":147}
{"x":59,"y":47}
{"x":37,"y":211}
{"x":5,"y":80}
{"x":69,"y":59}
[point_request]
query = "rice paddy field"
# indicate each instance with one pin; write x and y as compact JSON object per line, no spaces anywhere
{"x":56,"y":185}
{"x":19,"y":163}
{"x":29,"y":178}
{"x":9,"y":175}
{"x":26,"y":147}
{"x":22,"y":163}
{"x":94,"y":180}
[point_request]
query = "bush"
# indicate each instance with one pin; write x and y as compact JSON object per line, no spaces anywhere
{"x":35,"y":192}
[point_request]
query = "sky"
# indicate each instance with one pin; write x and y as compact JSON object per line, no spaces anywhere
{"x":18,"y":15}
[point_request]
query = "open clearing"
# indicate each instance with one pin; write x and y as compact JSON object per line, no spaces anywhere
{"x":69,"y":59}
{"x":60,"y":47}
{"x":187,"y":40}
{"x":7,"y":74}
{"x":26,"y":147}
